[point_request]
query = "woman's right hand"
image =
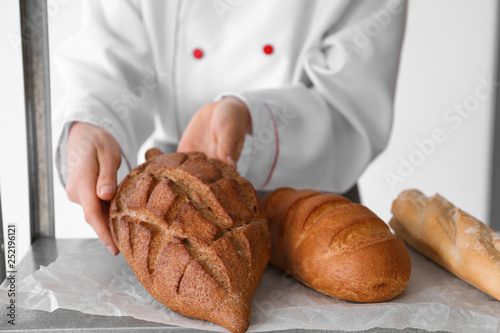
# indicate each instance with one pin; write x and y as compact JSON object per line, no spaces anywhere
{"x":93,"y":157}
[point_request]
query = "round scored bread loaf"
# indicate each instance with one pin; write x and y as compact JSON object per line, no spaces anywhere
{"x":191,"y":230}
{"x":335,"y":246}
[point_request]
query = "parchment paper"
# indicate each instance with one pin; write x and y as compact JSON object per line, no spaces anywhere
{"x":92,"y":281}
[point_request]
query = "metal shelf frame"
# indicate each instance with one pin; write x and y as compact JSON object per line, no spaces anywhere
{"x":36,"y":75}
{"x":495,"y":161}
{"x":36,"y":71}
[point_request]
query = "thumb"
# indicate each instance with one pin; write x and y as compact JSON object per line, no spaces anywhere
{"x":229,"y":146}
{"x":107,"y":179}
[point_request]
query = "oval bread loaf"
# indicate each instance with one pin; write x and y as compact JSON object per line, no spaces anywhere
{"x":191,"y":229}
{"x":335,"y":246}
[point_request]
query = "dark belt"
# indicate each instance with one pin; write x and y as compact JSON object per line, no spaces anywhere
{"x":352,"y":194}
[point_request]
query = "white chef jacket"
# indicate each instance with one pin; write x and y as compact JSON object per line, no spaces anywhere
{"x":317,"y":76}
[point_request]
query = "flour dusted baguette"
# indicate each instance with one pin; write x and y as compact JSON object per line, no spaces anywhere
{"x":335,"y":246}
{"x":450,"y":237}
{"x":191,"y":230}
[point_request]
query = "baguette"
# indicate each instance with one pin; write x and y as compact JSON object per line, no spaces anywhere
{"x":191,"y":230}
{"x":335,"y":246}
{"x":450,"y":237}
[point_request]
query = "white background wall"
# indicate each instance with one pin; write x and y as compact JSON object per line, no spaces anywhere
{"x":13,"y":155}
{"x":448,"y":53}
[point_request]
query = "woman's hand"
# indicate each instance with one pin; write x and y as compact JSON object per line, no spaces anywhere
{"x":93,"y":157}
{"x":218,"y":129}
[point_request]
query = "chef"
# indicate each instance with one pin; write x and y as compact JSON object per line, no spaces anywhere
{"x":295,"y":93}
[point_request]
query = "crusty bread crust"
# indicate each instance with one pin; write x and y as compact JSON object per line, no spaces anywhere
{"x":335,"y":246}
{"x":450,"y":237}
{"x":191,"y":229}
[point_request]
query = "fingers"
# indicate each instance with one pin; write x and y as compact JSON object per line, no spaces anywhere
{"x":218,"y":130}
{"x":81,"y":190}
{"x":230,"y":140}
{"x":109,"y":163}
{"x":230,"y":123}
{"x":197,"y":136}
{"x":95,"y":156}
{"x":185,"y":144}
{"x":93,"y":212}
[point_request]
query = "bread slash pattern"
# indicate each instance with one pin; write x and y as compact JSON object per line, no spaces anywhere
{"x":191,"y":229}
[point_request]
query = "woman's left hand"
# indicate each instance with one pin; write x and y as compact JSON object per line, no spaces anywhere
{"x":218,"y":129}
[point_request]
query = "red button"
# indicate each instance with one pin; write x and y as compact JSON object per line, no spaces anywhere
{"x":268,"y":49}
{"x":198,"y":53}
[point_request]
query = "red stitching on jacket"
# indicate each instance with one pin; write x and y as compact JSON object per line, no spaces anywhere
{"x":277,"y":145}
